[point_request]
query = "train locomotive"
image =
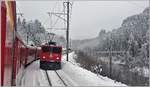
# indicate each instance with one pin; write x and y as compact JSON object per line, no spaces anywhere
{"x":50,"y":56}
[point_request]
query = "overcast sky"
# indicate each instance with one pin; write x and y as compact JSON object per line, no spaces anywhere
{"x":88,"y":17}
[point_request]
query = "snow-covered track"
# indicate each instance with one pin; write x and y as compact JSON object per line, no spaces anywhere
{"x":55,"y":79}
{"x":60,"y":78}
{"x":66,"y":78}
{"x":48,"y":79}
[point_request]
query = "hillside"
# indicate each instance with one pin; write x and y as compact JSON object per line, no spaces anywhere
{"x":136,"y":24}
{"x":131,"y":39}
{"x":36,"y":33}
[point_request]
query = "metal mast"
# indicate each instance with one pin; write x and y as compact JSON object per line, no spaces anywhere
{"x":67,"y":32}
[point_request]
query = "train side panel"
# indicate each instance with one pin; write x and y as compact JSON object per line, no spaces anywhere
{"x":3,"y":36}
{"x":6,"y":49}
{"x":22,"y":53}
{"x":32,"y":54}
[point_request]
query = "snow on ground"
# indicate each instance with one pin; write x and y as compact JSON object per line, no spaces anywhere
{"x":31,"y":75}
{"x":72,"y":75}
{"x":72,"y":57}
{"x":146,"y":72}
{"x":141,"y":71}
{"x":86,"y":78}
{"x":83,"y":76}
{"x":55,"y":80}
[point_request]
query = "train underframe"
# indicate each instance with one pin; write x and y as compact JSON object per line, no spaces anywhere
{"x":46,"y":65}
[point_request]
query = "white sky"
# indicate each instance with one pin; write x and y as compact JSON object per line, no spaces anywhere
{"x":88,"y":17}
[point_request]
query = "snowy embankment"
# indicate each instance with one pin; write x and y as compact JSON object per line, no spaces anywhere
{"x":84,"y":77}
{"x":72,"y":74}
{"x":144,"y":71}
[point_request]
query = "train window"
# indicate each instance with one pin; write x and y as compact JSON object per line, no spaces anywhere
{"x":45,"y":49}
{"x":51,"y":49}
{"x":56,"y":49}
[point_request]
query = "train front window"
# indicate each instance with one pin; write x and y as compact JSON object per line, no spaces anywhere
{"x":51,"y":49}
{"x":45,"y":49}
{"x":56,"y":49}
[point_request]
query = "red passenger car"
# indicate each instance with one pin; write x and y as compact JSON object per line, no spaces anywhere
{"x":15,"y":54}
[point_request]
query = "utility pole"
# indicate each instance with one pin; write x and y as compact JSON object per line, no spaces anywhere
{"x":65,"y":20}
{"x":110,"y":62}
{"x":70,"y":44}
{"x":67,"y":32}
{"x":110,"y":56}
{"x":28,"y":33}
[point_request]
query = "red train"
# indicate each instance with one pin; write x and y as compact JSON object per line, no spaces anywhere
{"x":14,"y":53}
{"x":50,"y":56}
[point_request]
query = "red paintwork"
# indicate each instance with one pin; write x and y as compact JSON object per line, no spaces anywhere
{"x":51,"y":57}
{"x":3,"y":29}
{"x":23,"y":54}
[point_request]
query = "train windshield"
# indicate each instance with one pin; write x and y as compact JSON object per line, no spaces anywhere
{"x":51,"y":49}
{"x":56,"y":49}
{"x":45,"y":49}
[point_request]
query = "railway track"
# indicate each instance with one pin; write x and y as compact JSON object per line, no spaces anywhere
{"x":50,"y":82}
{"x":48,"y":79}
{"x":60,"y":78}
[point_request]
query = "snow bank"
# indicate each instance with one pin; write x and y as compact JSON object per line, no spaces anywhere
{"x":86,"y":78}
{"x":141,"y":71}
{"x":72,"y":57}
{"x":83,"y":76}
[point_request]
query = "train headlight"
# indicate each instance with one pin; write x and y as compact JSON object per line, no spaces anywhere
{"x":57,"y":58}
{"x":43,"y":57}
